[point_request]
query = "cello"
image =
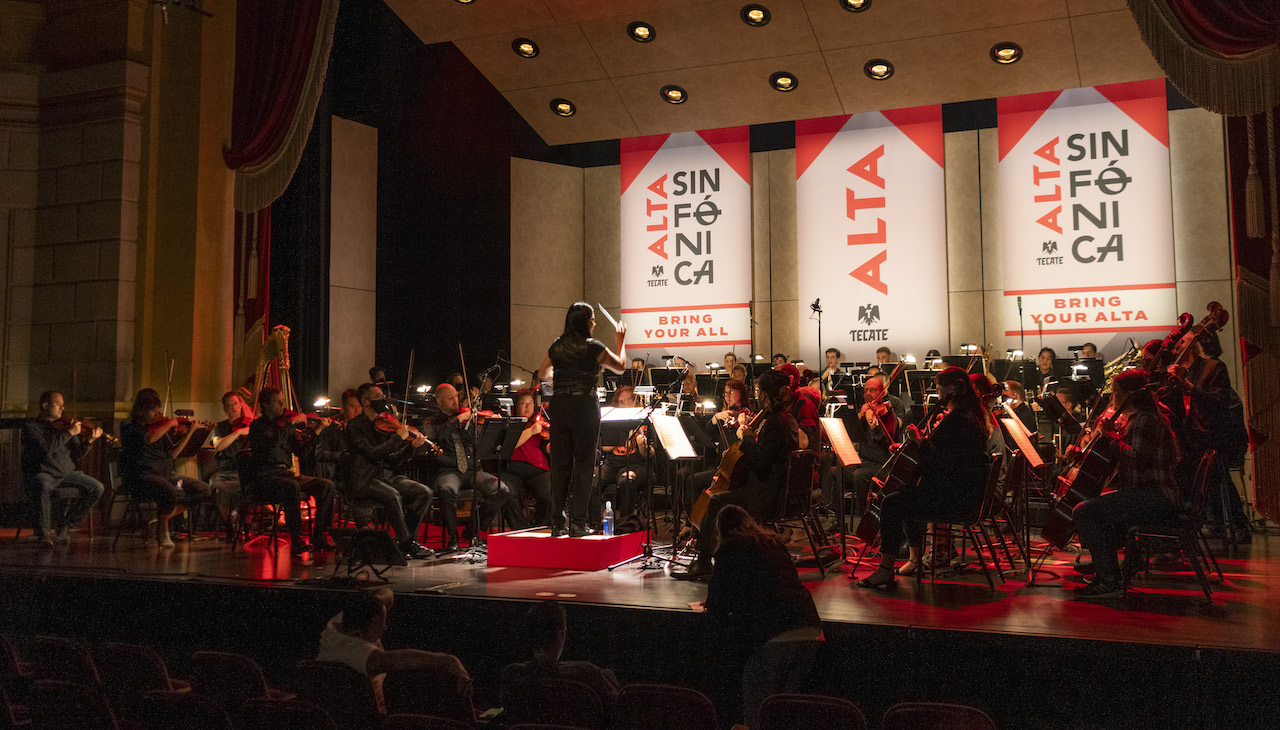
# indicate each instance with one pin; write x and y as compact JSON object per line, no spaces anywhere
{"x":730,"y":474}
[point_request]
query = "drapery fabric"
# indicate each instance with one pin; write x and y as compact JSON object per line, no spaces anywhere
{"x":282,"y":54}
{"x":1224,"y":55}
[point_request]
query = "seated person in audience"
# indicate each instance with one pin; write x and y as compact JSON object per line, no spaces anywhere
{"x":765,"y":611}
{"x":354,"y":638}
{"x":528,"y":470}
{"x":274,"y":439}
{"x":375,"y":458}
{"x":51,"y":446}
{"x":546,"y":625}
{"x":149,"y":442}
{"x":230,"y":437}
{"x":625,"y":468}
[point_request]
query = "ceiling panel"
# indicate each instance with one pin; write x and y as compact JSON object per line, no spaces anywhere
{"x":1109,"y":49}
{"x":564,"y":57}
{"x":892,"y":21}
{"x":601,"y":113}
{"x":956,"y":68}
{"x":1084,"y":7}
{"x":581,"y":11}
{"x":436,"y":21}
{"x":731,"y":95}
{"x":700,"y":35}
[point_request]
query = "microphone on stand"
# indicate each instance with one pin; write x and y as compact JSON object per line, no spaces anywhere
{"x":817,"y":305}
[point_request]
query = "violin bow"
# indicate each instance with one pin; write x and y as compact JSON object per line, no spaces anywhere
{"x":408,"y":378}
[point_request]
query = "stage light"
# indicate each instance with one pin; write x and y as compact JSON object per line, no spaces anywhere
{"x":798,"y":363}
{"x":516,"y":383}
{"x":755,"y":15}
{"x":563,"y":107}
{"x":1006,"y":53}
{"x":321,"y":402}
{"x":422,"y":389}
{"x":524,"y":47}
{"x":784,"y":81}
{"x":855,"y":6}
{"x":641,"y":32}
{"x":1017,"y":353}
{"x":909,"y":358}
{"x":878,"y":69}
{"x":759,"y":358}
{"x":673,"y":94}
{"x":707,"y":404}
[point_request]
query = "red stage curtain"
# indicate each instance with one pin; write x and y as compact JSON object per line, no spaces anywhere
{"x":1224,"y":55}
{"x":282,"y":53}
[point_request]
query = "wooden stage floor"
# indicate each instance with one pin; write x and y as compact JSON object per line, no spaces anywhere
{"x":1165,"y":608}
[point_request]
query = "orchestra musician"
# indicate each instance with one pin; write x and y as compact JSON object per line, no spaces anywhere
{"x":625,"y":468}
{"x":879,"y":425}
{"x":51,"y":446}
{"x":275,"y":437}
{"x":803,"y":403}
{"x":1044,"y":363}
{"x":952,"y":473}
{"x":764,"y":451}
{"x":884,"y":356}
{"x":528,"y":469}
{"x":374,"y":460}
{"x":1144,"y":490}
{"x":832,"y":376}
{"x":738,"y":373}
{"x":230,"y":436}
{"x":149,"y":442}
{"x":573,"y":362}
{"x":779,"y":359}
{"x":636,"y":373}
{"x":455,"y":458}
{"x":723,"y":431}
{"x":1017,"y":394}
{"x":1089,"y":351}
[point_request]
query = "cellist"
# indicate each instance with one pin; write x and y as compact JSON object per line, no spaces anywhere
{"x":764,"y":454}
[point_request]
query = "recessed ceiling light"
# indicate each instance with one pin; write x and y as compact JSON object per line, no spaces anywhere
{"x":524,"y":47}
{"x":465,"y":2}
{"x":563,"y":107}
{"x":1006,"y":53}
{"x":784,"y":81}
{"x":673,"y":94}
{"x":755,"y":15}
{"x":855,"y":6}
{"x":641,"y":32}
{"x":878,"y":69}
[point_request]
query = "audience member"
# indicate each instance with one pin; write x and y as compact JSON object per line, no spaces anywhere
{"x":547,"y":629}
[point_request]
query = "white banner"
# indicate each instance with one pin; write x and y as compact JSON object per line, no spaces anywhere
{"x":871,"y":234}
{"x":1086,"y":220}
{"x":686,"y":244}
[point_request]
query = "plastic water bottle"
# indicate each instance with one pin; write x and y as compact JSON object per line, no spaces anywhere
{"x":608,"y":519}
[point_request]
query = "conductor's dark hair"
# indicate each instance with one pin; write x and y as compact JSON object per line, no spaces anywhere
{"x":577,"y":321}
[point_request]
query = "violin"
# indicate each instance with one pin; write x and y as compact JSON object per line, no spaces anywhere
{"x":290,"y":416}
{"x":387,"y":423}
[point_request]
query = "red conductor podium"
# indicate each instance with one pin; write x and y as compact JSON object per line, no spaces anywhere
{"x":536,"y":548}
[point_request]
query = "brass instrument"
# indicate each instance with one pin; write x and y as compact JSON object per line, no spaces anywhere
{"x":1131,"y":357}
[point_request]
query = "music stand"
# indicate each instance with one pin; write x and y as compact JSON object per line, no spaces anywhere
{"x":367,"y":548}
{"x":842,"y":446}
{"x":487,"y":439}
{"x":671,"y":438}
{"x":198,"y":437}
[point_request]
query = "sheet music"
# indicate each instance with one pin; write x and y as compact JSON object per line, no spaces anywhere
{"x":840,"y":442}
{"x":1017,"y":430}
{"x":610,"y":413}
{"x":672,"y":437}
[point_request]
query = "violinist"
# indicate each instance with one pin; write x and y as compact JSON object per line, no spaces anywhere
{"x":953,"y":467}
{"x":528,"y":470}
{"x":625,"y":468}
{"x":1016,"y":392}
{"x":149,"y":442}
{"x":51,"y":446}
{"x":877,"y":427}
{"x":1214,"y":419}
{"x":230,"y":437}
{"x":739,"y":373}
{"x":803,"y":403}
{"x":764,"y":451}
{"x":375,"y":458}
{"x":275,"y":437}
{"x":1143,"y":491}
{"x":455,"y":459}
{"x":330,"y":442}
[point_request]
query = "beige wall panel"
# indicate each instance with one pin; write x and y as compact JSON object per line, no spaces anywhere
{"x":786,"y":323}
{"x":945,"y":68}
{"x":762,"y":311}
{"x":539,"y":326}
{"x":546,"y":233}
{"x":353,"y":254}
{"x":353,"y":200}
{"x":1194,"y":296}
{"x":602,"y":236}
{"x":700,"y":34}
{"x":964,"y":211}
{"x":993,"y":327}
{"x":1110,"y":50}
{"x":890,"y":21}
{"x":1201,"y":221}
{"x":761,"y":286}
{"x":601,"y":113}
{"x":966,"y":310}
{"x":782,"y":224}
{"x":351,"y":339}
{"x":992,"y":252}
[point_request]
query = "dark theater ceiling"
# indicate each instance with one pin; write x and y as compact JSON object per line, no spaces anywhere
{"x":940,"y":51}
